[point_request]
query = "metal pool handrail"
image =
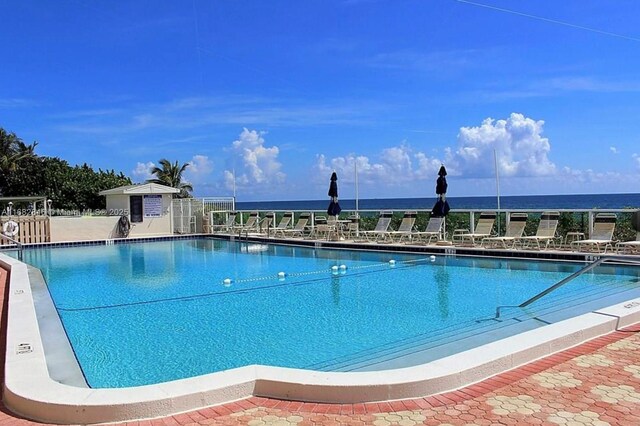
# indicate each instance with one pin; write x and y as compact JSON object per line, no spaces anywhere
{"x":17,"y":244}
{"x":587,"y":268}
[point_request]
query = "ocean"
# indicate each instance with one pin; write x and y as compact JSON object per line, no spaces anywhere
{"x":547,"y":202}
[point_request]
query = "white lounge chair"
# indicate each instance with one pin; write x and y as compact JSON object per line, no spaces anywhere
{"x":381,"y":229}
{"x":546,"y":233}
{"x":226,"y":227}
{"x":629,"y":247}
{"x":515,"y":229}
{"x":251,"y":225}
{"x":299,"y":228}
{"x":604,"y":225}
{"x":483,"y":229}
{"x":284,"y":224}
{"x":266,"y":225}
{"x":406,"y":227}
{"x":433,"y":231}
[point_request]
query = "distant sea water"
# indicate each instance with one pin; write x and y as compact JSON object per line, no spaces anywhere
{"x":549,"y":202}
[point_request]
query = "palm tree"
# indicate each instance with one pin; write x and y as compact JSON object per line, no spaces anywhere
{"x":12,"y":150}
{"x":171,"y":175}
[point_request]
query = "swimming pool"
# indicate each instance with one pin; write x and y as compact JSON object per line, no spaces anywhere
{"x":147,"y":313}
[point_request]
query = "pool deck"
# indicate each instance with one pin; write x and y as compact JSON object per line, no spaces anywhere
{"x":597,"y":382}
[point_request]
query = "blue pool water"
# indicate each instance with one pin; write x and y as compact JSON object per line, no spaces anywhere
{"x":152,"y":312}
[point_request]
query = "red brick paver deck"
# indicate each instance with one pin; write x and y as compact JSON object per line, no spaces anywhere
{"x":596,"y":383}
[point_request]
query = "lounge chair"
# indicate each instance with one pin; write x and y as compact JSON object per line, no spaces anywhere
{"x":382,"y":227}
{"x":629,"y":247}
{"x":406,"y":227}
{"x":482,"y":230}
{"x":299,"y":228}
{"x":227,"y":227}
{"x":515,"y":229}
{"x":433,"y":231}
{"x":251,"y":225}
{"x":284,"y":224}
{"x":267,"y":224}
{"x":546,"y":232}
{"x":602,"y":236}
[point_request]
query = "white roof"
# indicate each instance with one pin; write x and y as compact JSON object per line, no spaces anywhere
{"x":140,"y":189}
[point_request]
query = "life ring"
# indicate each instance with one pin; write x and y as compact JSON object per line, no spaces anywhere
{"x":10,"y":228}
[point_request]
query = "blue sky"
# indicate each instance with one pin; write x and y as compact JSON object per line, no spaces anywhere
{"x":284,"y":92}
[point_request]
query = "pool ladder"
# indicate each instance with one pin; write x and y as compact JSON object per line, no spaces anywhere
{"x":18,"y":245}
{"x":587,"y":268}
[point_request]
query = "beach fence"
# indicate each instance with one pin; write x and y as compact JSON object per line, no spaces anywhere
{"x":216,"y":211}
{"x":25,"y":229}
{"x":185,"y":215}
{"x":191,"y":215}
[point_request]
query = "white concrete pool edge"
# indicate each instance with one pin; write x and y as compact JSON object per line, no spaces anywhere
{"x":29,"y":391}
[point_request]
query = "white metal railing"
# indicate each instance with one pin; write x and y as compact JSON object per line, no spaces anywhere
{"x":218,"y":204}
{"x":186,"y":214}
{"x":591,"y":213}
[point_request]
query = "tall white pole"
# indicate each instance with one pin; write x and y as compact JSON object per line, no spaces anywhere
{"x":234,"y":185}
{"x":495,"y":160}
{"x":355,"y":168}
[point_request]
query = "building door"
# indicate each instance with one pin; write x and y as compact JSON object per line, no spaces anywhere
{"x":135,"y":205}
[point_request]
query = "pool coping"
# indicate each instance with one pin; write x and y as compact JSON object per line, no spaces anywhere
{"x":30,"y":391}
{"x":450,"y":250}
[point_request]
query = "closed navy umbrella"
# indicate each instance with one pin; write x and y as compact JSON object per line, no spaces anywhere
{"x":441,"y":208}
{"x":334,"y":208}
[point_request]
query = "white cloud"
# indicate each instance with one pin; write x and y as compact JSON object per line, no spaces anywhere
{"x":518,"y":142}
{"x":258,"y":166}
{"x":143,"y":170}
{"x":17,"y":103}
{"x":636,"y":158}
{"x":398,"y":165}
{"x":199,"y":168}
{"x":614,"y":150}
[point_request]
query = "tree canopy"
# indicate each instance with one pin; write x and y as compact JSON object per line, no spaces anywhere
{"x":69,"y":187}
{"x":12,"y":150}
{"x":171,"y":175}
